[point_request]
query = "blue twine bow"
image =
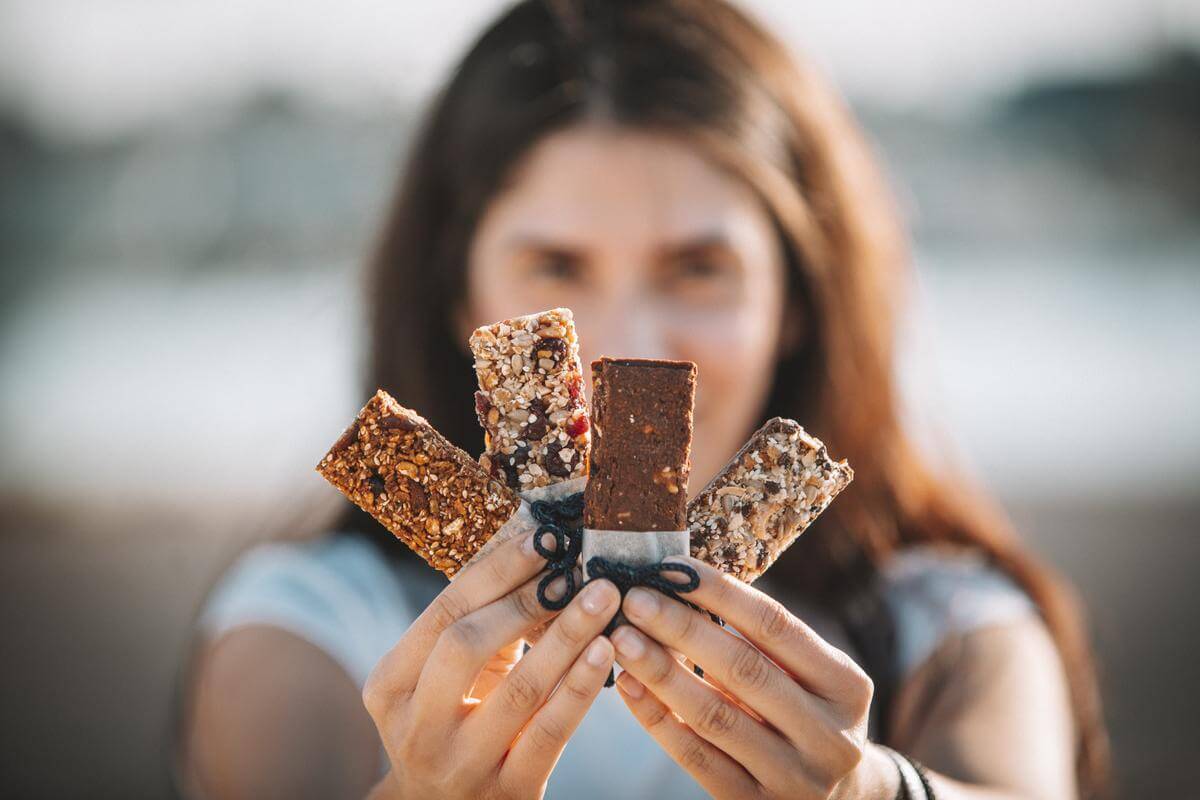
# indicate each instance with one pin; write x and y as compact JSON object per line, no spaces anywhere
{"x":650,"y":576}
{"x":560,"y":519}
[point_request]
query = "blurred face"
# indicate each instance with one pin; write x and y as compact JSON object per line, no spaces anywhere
{"x":658,"y":253}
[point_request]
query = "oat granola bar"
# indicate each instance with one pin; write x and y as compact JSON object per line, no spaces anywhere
{"x":776,"y":485}
{"x":530,"y":399}
{"x":642,"y":417}
{"x":433,"y":496}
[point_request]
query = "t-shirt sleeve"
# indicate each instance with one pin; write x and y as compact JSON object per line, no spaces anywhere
{"x":336,"y":593}
{"x":934,"y":595}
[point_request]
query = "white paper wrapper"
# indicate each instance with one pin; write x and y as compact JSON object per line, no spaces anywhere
{"x":635,"y":548}
{"x":522,"y":521}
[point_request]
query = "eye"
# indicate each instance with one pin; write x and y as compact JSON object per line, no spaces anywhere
{"x":555,"y":266}
{"x":697,"y":268}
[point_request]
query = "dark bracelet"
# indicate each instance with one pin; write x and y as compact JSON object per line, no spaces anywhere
{"x":914,"y":779}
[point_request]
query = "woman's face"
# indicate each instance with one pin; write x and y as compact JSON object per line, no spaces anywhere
{"x":658,"y":253}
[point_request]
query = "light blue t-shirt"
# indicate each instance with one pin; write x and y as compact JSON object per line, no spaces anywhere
{"x":341,"y":595}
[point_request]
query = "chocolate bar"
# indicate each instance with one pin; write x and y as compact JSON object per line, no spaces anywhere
{"x":530,"y":400}
{"x":642,"y":418}
{"x":776,"y":485}
{"x":430,"y":494}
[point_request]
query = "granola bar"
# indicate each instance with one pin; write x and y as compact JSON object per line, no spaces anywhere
{"x":643,"y":425}
{"x":776,"y":485}
{"x":530,"y":400}
{"x":433,"y":496}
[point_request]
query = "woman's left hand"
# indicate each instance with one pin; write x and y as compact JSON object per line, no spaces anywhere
{"x":787,"y":716}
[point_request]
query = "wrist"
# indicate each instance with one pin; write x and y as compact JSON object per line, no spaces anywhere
{"x":875,"y":777}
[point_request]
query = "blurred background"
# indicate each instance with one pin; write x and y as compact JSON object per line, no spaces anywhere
{"x":187,"y":193}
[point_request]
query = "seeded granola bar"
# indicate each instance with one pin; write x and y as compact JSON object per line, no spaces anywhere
{"x":530,"y":400}
{"x":642,"y":416}
{"x":429,"y":493}
{"x":776,"y":485}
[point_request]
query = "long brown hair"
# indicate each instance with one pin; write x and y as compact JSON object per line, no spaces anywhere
{"x":704,"y":71}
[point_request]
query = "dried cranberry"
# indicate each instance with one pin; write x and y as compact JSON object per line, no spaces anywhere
{"x":575,"y":387}
{"x":377,"y":485}
{"x":578,"y":426}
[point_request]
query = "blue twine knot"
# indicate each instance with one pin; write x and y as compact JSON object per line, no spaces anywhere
{"x":560,"y":519}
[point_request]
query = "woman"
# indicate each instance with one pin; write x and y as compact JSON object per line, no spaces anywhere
{"x":668,"y":171}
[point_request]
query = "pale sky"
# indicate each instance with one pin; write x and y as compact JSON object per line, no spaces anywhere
{"x":98,"y":67}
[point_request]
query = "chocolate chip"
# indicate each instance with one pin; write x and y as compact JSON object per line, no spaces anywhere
{"x":772,"y":487}
{"x":397,"y":423}
{"x":785,"y":460}
{"x":534,"y":431}
{"x":511,"y":465}
{"x":376,"y":484}
{"x":418,"y":499}
{"x":557,"y":347}
{"x":555,"y":465}
{"x":761,"y":553}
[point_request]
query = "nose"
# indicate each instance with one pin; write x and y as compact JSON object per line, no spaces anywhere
{"x":620,"y":330}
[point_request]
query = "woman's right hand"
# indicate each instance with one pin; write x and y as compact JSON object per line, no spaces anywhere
{"x":441,"y":741}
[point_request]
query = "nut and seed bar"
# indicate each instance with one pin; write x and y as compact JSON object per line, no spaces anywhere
{"x":530,"y":400}
{"x":642,"y":417}
{"x":776,"y":485}
{"x":433,"y":496}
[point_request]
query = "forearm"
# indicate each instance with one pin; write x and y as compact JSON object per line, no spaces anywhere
{"x":882,"y":774}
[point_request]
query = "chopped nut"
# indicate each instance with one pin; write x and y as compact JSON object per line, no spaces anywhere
{"x":532,"y":406}
{"x":769,"y":492}
{"x":427,"y":492}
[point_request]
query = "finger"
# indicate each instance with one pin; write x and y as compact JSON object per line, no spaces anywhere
{"x":504,"y":712}
{"x":751,"y":677}
{"x":482,"y":582}
{"x":716,"y":772}
{"x":705,"y":710}
{"x":468,"y":645}
{"x":535,"y":753}
{"x":790,"y":643}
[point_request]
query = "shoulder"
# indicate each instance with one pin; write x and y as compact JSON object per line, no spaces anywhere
{"x":935,"y":594}
{"x":338,"y":593}
{"x":984,"y":694}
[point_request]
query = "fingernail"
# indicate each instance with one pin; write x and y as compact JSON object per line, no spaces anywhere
{"x":631,"y":686}
{"x":629,"y":642}
{"x":597,"y":653}
{"x":557,"y":588}
{"x":596,"y":598}
{"x":641,"y":603}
